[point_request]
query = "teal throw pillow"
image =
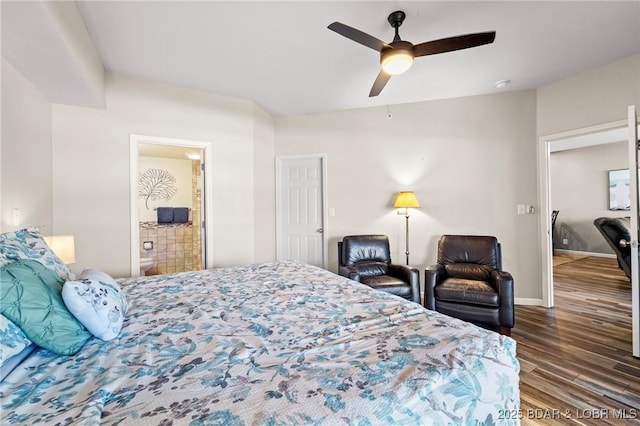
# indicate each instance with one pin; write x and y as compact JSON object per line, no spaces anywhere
{"x":31,"y":298}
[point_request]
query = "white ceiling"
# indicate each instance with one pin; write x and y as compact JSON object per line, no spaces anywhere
{"x":282,"y":56}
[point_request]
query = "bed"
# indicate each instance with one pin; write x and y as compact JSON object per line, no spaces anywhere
{"x":270,"y":344}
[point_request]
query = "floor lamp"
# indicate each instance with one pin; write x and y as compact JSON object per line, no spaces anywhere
{"x":406,"y":200}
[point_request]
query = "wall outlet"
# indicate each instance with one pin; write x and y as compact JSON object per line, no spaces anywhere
{"x":565,"y":241}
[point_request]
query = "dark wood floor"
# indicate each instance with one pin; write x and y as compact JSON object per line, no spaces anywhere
{"x":575,"y":359}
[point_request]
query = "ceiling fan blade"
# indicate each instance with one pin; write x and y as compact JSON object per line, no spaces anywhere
{"x":357,"y":36}
{"x":378,"y":85}
{"x":453,"y":43}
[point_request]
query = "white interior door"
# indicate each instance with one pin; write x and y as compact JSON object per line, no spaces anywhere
{"x":300,"y":209}
{"x":633,"y":183}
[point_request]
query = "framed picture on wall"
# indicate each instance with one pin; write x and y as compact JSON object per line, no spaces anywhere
{"x":619,"y":198}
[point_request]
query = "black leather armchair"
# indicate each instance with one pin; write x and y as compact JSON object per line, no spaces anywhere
{"x":468,"y":282}
{"x":367,"y":259}
{"x":617,"y":233}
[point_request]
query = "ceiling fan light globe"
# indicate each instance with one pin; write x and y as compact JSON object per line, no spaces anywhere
{"x":396,"y":62}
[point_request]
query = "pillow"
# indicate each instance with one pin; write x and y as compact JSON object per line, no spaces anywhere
{"x":29,"y":244}
{"x":12,"y":339}
{"x":31,"y":300}
{"x":96,"y":300}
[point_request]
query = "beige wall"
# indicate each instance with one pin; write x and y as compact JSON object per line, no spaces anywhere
{"x":469,"y":160}
{"x":25,"y":181}
{"x":580,"y":190}
{"x":596,"y":96}
{"x":264,"y":185}
{"x":91,"y":167}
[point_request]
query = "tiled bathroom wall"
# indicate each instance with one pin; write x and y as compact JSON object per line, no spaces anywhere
{"x":196,"y":216}
{"x":173,"y":247}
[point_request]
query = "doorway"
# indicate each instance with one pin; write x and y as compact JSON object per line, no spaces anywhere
{"x":301,"y":227}
{"x":587,"y":136}
{"x":619,"y":130}
{"x":170,"y":194}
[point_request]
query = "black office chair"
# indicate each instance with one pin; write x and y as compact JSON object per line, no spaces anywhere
{"x":617,"y":233}
{"x":367,"y":259}
{"x":554,"y":216}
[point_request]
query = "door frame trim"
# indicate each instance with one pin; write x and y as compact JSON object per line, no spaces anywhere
{"x":323,"y":160}
{"x":133,"y":192}
{"x":544,"y":187}
{"x":632,"y":129}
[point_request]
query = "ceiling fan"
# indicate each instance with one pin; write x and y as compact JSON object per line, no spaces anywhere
{"x":396,"y":57}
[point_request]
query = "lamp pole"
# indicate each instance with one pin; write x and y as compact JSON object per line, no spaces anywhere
{"x":406,"y":237}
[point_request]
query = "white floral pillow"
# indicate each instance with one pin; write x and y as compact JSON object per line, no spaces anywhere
{"x":12,"y":339}
{"x":28,"y":244}
{"x":95,"y":299}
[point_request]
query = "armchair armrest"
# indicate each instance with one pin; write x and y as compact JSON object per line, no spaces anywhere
{"x":410,"y":275}
{"x":432,"y":276}
{"x":349,"y":272}
{"x":504,"y":285}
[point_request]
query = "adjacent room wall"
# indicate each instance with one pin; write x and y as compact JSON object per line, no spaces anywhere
{"x":26,"y":154}
{"x":580,"y":190}
{"x":91,"y":167}
{"x":470,"y":161}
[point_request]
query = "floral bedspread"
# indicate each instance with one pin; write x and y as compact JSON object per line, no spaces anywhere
{"x":270,"y":344}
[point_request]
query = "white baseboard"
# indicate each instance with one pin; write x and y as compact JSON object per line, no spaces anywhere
{"x":528,"y":301}
{"x":586,"y":253}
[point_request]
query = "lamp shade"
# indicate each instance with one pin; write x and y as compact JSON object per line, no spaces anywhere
{"x":406,"y":199}
{"x":63,"y":246}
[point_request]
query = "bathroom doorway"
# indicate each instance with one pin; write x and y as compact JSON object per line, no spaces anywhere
{"x":169,"y":230}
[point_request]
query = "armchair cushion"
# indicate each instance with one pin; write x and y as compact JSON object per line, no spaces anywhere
{"x":462,"y":290}
{"x":365,"y":248}
{"x":469,"y":249}
{"x":388,"y":284}
{"x":371,"y":269}
{"x":471,"y":271}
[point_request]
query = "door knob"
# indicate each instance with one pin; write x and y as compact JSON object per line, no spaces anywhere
{"x":319,"y":230}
